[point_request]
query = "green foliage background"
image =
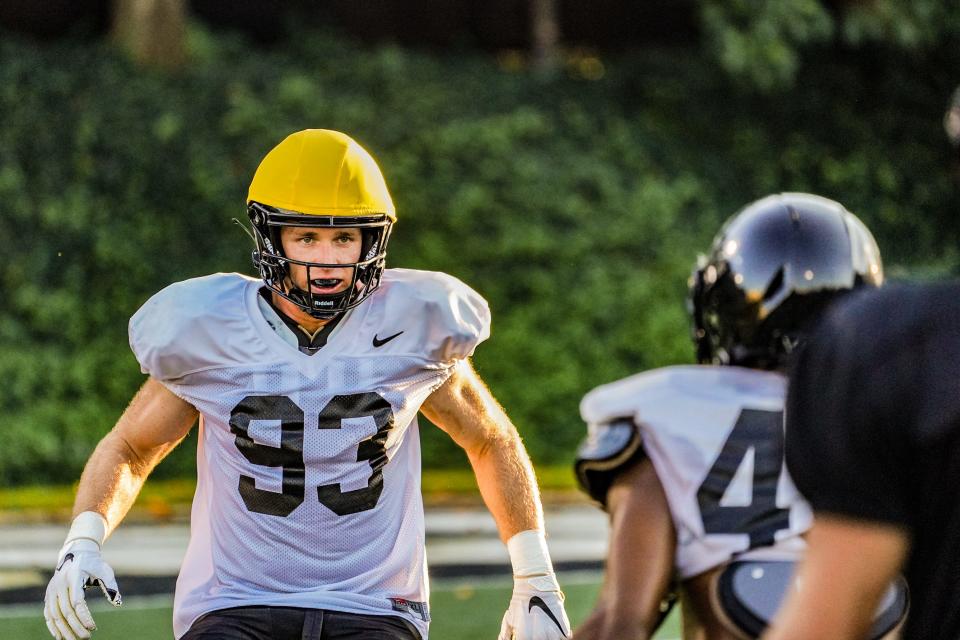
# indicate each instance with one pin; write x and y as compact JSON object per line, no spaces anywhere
{"x":575,"y":203}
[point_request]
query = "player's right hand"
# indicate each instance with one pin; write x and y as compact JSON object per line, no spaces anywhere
{"x":65,"y":607}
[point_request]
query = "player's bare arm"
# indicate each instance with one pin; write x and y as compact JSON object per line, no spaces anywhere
{"x":466,"y":410}
{"x":848,"y":566}
{"x":635,"y":584}
{"x":154,"y":423}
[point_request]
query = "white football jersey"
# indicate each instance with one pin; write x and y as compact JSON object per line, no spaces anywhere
{"x":715,"y":438}
{"x":308,"y":466}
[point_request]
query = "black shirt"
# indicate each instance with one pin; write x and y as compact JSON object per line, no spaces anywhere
{"x":873,"y":432}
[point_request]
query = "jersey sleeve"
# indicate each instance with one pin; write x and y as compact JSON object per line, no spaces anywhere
{"x":444,"y":319}
{"x":185,"y":327}
{"x":152,"y":332}
{"x":463,"y":319}
{"x":847,"y":441}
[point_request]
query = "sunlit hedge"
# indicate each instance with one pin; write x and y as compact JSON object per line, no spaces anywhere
{"x":576,"y":206}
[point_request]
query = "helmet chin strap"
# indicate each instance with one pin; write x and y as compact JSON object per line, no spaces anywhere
{"x":301,"y":299}
{"x":294,"y":292}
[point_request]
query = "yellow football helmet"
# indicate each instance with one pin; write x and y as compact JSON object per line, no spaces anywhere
{"x":320,"y":178}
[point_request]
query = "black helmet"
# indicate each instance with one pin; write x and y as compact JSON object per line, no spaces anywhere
{"x":772,"y":269}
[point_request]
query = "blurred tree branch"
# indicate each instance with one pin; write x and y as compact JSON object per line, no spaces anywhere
{"x":151,"y":31}
{"x":545,"y":35}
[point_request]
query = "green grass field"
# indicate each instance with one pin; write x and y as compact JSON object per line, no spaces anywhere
{"x":461,"y":610}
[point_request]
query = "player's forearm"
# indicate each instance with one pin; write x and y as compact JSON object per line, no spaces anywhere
{"x":507,"y":483}
{"x":640,"y":556}
{"x":154,"y":423}
{"x":112,"y":478}
{"x":466,"y":410}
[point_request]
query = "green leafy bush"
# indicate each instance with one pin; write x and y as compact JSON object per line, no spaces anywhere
{"x":576,"y":207}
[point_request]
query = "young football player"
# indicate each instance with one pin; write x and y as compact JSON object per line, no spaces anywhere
{"x":873,"y":442}
{"x":689,"y":460}
{"x":308,"y":520}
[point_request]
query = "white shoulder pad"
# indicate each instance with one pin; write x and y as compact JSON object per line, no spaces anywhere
{"x":185,"y":327}
{"x":449,"y":318}
{"x":623,"y":398}
{"x":628,"y":396}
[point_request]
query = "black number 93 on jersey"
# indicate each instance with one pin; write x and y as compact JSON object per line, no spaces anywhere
{"x":289,"y":455}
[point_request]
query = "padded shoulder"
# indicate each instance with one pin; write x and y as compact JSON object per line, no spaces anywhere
{"x":623,"y":397}
{"x":630,"y":396}
{"x":450,"y":318}
{"x":189,"y":326}
{"x":613,"y":440}
{"x":608,"y":448}
{"x":620,"y":415}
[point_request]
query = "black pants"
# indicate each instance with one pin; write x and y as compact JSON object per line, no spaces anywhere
{"x":289,"y":623}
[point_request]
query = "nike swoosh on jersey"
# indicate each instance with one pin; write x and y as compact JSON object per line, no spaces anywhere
{"x":379,"y":343}
{"x":537,"y":601}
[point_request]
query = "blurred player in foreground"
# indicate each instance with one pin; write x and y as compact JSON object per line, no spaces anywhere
{"x":689,"y":460}
{"x":308,"y":520}
{"x":874,"y":444}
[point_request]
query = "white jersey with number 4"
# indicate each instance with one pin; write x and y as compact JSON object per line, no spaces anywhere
{"x":308,"y":466}
{"x":715,"y":438}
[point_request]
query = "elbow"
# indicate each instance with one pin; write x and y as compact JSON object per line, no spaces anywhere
{"x":479,"y":449}
{"x":493,"y":443}
{"x":139,"y":463}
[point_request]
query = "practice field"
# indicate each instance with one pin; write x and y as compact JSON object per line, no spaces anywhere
{"x":461,"y":610}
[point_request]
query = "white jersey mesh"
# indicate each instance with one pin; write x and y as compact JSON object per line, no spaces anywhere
{"x":687,"y":417}
{"x":277,"y":424}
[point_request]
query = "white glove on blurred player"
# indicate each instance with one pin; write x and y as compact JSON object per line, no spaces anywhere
{"x":79,"y":566}
{"x":536,"y":611}
{"x":536,"y":607}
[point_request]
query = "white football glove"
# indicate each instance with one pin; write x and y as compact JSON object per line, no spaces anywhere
{"x":536,"y":610}
{"x":65,"y":608}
